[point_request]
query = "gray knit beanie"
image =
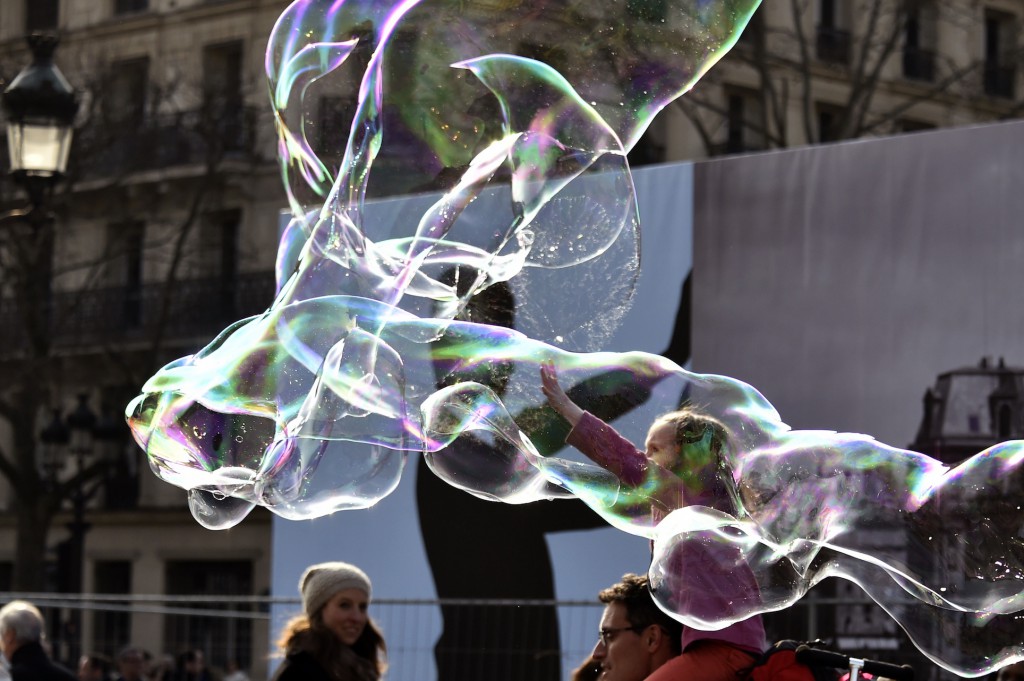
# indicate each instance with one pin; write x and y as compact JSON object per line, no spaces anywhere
{"x":320,"y":582}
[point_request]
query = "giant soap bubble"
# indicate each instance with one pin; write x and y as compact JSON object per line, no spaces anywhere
{"x":386,"y":340}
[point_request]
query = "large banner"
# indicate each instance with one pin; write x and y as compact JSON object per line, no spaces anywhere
{"x":841,"y":281}
{"x":847,"y":281}
{"x":428,"y":540}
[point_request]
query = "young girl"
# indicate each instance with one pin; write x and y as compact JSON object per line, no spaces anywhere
{"x":685,"y":458}
{"x":335,"y":640}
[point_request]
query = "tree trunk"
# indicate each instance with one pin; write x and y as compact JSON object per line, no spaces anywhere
{"x":33,"y":528}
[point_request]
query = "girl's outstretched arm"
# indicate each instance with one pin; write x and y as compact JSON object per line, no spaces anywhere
{"x":556,"y":397}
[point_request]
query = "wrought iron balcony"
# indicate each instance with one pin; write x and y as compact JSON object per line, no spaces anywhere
{"x":198,"y":309}
{"x":122,"y":147}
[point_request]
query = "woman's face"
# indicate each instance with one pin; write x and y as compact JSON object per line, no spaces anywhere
{"x":345,"y":615}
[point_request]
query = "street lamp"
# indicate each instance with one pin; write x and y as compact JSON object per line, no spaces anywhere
{"x":40,"y":108}
{"x":74,"y":439}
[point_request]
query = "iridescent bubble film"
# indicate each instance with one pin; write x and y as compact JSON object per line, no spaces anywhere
{"x":402,"y":330}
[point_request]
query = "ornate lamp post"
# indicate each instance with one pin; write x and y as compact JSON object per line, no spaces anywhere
{"x":73,"y":441}
{"x":39,"y":108}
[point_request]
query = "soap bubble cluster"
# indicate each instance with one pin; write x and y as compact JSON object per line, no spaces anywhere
{"x":396,"y":332}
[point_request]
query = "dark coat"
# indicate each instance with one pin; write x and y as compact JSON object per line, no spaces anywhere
{"x":31,"y":663}
{"x":301,"y":667}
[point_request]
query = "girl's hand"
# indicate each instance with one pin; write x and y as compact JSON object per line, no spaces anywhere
{"x":557,"y":397}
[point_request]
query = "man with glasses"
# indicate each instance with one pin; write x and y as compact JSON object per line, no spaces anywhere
{"x":635,"y":637}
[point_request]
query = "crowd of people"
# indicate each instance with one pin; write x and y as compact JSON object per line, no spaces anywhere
{"x":24,"y":648}
{"x":334,"y":639}
{"x":135,"y":664}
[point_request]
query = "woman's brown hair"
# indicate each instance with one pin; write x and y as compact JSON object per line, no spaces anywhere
{"x":364,"y":660}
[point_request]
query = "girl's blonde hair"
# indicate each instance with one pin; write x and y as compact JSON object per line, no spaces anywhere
{"x":703,"y":464}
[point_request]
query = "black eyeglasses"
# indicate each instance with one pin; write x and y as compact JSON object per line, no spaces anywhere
{"x":606,"y":635}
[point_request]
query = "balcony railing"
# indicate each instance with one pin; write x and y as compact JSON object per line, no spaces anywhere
{"x":154,"y":142}
{"x":919,"y":64}
{"x":833,"y":45}
{"x":199,"y":308}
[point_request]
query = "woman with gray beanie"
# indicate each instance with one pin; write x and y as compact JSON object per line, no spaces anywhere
{"x":335,"y":640}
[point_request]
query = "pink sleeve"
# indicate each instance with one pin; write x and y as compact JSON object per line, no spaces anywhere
{"x":603,"y":445}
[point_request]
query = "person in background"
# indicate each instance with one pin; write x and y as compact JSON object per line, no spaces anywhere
{"x":129,"y":664}
{"x":684,"y":463}
{"x":636,"y":638}
{"x":335,"y":639}
{"x":21,"y":642}
{"x":235,"y":673}
{"x":94,"y":667}
{"x":162,"y":668}
{"x":192,"y":667}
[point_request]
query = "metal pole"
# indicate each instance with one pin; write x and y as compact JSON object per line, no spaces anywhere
{"x":77,"y":528}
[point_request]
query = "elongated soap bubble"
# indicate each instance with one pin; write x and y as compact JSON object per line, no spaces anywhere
{"x":421,"y":330}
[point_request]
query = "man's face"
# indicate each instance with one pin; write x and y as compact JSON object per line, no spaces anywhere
{"x":622,"y":652}
{"x":7,"y":644}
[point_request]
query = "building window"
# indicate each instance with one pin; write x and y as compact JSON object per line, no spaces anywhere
{"x":829,"y":122}
{"x":333,"y":122}
{"x":6,"y":575}
{"x":222,"y":93}
{"x":833,"y":39}
{"x":1000,"y":42}
{"x":130,"y":6}
{"x":41,"y":15}
{"x":218,"y":246}
{"x":217,"y":262}
{"x":754,"y":30}
{"x":905,"y":125}
{"x":123,"y":269}
{"x":110,"y":630}
{"x":744,"y":123}
{"x":650,"y":148}
{"x":222,"y":639}
{"x":1005,"y":421}
{"x":919,"y":40}
{"x":124,"y":102}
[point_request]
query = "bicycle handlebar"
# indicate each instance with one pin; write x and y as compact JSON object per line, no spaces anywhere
{"x":815,"y":657}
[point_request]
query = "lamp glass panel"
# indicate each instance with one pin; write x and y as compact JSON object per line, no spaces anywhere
{"x":38,"y":149}
{"x":13,"y":146}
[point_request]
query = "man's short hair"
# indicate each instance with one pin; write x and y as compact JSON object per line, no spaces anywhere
{"x":130,"y":654}
{"x":24,"y":619}
{"x":641,"y":611}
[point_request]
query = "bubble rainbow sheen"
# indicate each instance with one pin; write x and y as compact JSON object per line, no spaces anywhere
{"x":423,"y":331}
